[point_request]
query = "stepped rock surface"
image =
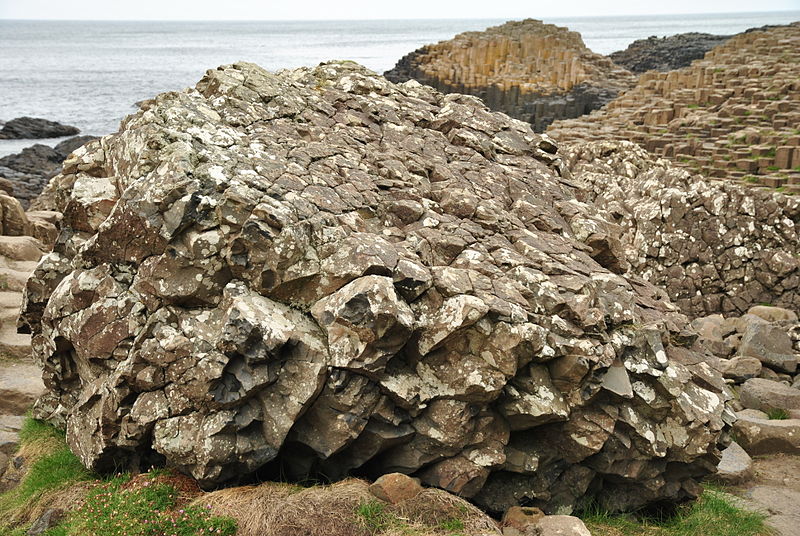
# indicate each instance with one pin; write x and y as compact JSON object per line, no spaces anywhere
{"x":327,"y":271}
{"x":529,"y":70}
{"x":714,"y":246}
{"x":666,"y":53}
{"x":734,"y":114}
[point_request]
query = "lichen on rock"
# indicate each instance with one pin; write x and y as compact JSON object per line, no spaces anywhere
{"x":322,"y":268}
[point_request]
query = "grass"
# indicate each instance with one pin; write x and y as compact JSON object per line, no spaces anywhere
{"x":751,"y":179}
{"x":146,"y":505}
{"x":713,"y":514}
{"x":777,"y":414}
{"x":53,"y":467}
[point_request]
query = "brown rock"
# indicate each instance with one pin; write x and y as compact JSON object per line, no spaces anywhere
{"x":562,"y":526}
{"x":766,"y":395}
{"x":395,"y":488}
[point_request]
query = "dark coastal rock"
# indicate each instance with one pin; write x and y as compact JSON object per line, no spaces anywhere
{"x":318,"y":271}
{"x":23,"y":128}
{"x":29,"y":170}
{"x":666,"y":53}
{"x":529,"y":70}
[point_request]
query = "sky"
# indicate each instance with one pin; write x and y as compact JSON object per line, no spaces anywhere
{"x":365,"y":9}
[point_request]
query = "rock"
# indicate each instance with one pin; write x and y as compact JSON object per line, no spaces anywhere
{"x":649,"y":199}
{"x":773,"y":314}
{"x":761,"y":436}
{"x":766,"y":395}
{"x":521,"y":519}
{"x":28,"y":171}
{"x":771,"y":345}
{"x":666,"y":53}
{"x":49,"y":519}
{"x":395,"y":488}
{"x":323,"y":271}
{"x":21,"y":248}
{"x":33,"y":128}
{"x":755,"y":413}
{"x":562,"y":526}
{"x":735,"y":467}
{"x":10,"y":425}
{"x":20,"y":385}
{"x":13,"y":221}
{"x":740,"y":368}
{"x":532,"y":71}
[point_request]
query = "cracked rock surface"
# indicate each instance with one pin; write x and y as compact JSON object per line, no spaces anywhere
{"x":325,"y":270}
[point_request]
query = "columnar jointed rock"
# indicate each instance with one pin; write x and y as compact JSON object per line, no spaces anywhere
{"x":733,"y":114}
{"x":713,"y":246}
{"x":532,"y":71}
{"x":327,"y":269}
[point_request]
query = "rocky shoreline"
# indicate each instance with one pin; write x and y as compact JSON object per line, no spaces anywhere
{"x":319,"y":273}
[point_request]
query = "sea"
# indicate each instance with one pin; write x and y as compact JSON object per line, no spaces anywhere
{"x":90,"y":74}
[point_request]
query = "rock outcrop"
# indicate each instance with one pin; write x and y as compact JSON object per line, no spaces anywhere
{"x":28,"y":172}
{"x":732,"y":115}
{"x":23,"y":128}
{"x":529,"y":70}
{"x":666,"y":53}
{"x":714,"y":246}
{"x":321,"y":269}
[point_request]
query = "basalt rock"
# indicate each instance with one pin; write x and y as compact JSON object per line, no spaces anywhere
{"x":29,"y":171}
{"x":529,"y":70}
{"x":35,"y":128}
{"x":666,"y":53}
{"x":713,"y":246}
{"x":321,"y":269}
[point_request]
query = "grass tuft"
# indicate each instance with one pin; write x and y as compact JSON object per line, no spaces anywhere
{"x":715,"y":513}
{"x":777,"y":414}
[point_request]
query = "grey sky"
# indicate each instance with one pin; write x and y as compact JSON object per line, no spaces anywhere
{"x":363,"y":9}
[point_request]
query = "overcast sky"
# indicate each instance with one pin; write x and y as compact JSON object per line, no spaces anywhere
{"x":364,"y":9}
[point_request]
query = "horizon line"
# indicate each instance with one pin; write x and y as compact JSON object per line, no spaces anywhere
{"x":383,"y":19}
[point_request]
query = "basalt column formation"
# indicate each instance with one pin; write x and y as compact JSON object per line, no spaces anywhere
{"x":529,"y":70}
{"x":734,"y":114}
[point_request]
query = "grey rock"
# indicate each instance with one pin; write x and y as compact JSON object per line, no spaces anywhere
{"x":328,"y":272}
{"x":560,"y":525}
{"x":766,"y":395}
{"x":735,"y":467}
{"x":773,"y":314}
{"x":771,"y":345}
{"x":49,"y":519}
{"x":740,"y":368}
{"x":761,"y":436}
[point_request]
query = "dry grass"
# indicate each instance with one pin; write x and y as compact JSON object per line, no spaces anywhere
{"x":274,"y":509}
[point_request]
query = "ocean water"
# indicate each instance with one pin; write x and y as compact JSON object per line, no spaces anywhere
{"x":90,"y":74}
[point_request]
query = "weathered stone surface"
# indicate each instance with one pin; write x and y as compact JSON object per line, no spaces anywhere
{"x":771,"y":345}
{"x":20,"y":386}
{"x":713,"y":246}
{"x":49,"y":519}
{"x":735,"y":467}
{"x":562,"y":526}
{"x":740,"y":368}
{"x":765,"y":395}
{"x":27,"y":172}
{"x":34,"y":128}
{"x":762,"y":436}
{"x":395,"y":487}
{"x":321,"y":269}
{"x":773,"y":314}
{"x":532,"y":71}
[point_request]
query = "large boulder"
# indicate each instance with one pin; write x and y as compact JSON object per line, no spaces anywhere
{"x":35,"y":128}
{"x":322,"y":269}
{"x":771,"y":345}
{"x":766,"y":395}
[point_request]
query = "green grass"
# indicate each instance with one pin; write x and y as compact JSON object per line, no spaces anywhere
{"x":56,"y":468}
{"x":378,"y":520}
{"x":453,"y":526}
{"x":777,"y":414}
{"x":114,"y":507}
{"x":375,"y":517}
{"x":146,"y":507}
{"x":713,"y":514}
{"x":751,"y":179}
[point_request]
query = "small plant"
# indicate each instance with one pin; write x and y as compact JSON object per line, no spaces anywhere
{"x":751,"y":179}
{"x":693,"y":106}
{"x":773,"y":168}
{"x":374,"y":515}
{"x":777,"y":414}
{"x":453,"y":526}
